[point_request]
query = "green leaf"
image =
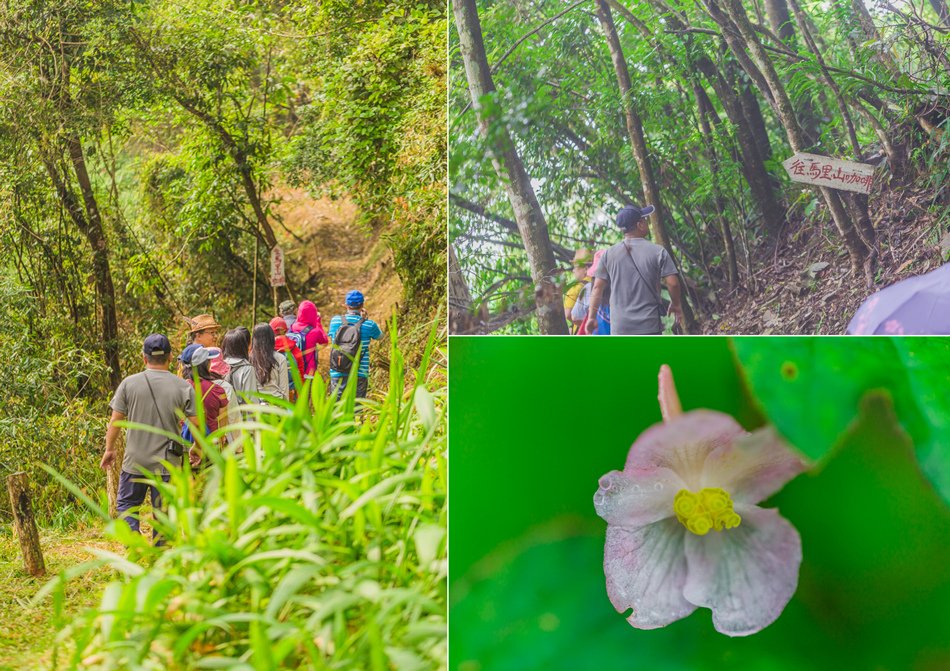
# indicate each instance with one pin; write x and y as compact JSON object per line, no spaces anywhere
{"x":810,"y":388}
{"x":874,"y":538}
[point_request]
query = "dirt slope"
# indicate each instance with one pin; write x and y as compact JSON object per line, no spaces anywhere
{"x":804,"y":285}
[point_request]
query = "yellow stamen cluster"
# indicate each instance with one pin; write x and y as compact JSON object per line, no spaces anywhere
{"x":710,"y":508}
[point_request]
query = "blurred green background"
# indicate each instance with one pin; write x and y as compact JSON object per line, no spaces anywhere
{"x":535,"y":422}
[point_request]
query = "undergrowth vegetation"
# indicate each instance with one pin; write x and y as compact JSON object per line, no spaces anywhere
{"x":316,"y":541}
{"x":49,"y":413}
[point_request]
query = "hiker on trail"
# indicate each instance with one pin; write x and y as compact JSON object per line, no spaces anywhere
{"x":311,"y":334}
{"x":288,"y":312}
{"x":632,"y":270}
{"x":219,"y":371}
{"x":290,"y":350}
{"x":270,"y":366}
{"x":582,"y":261}
{"x":581,"y":307}
{"x":351,"y":332}
{"x":241,"y":376}
{"x":154,"y":397}
{"x":196,"y":359}
{"x":204,"y":330}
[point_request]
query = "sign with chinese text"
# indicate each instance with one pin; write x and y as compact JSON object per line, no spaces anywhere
{"x":830,"y":172}
{"x":277,"y":267}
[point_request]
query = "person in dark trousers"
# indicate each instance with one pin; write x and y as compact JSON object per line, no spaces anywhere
{"x":154,"y":398}
{"x":341,"y":365}
{"x":632,"y":269}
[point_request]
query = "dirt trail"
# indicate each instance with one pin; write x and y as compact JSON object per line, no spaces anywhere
{"x":330,"y":252}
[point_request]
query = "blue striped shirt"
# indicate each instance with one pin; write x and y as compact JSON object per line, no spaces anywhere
{"x":369,"y":331}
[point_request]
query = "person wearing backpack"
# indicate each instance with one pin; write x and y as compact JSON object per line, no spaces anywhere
{"x":289,"y":348}
{"x":351,"y":332}
{"x":308,"y":332}
{"x":288,"y":312}
{"x":270,"y":366}
{"x":241,"y":377}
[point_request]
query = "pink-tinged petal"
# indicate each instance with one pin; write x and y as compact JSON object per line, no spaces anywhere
{"x":745,"y":575}
{"x":637,"y":497}
{"x":753,"y":467}
{"x":683,"y":443}
{"x":646,"y":571}
{"x":670,"y":405}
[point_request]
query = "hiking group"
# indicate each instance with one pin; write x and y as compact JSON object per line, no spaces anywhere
{"x":617,"y":290}
{"x":258,"y":366}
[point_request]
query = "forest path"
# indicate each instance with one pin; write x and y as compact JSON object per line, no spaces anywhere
{"x":331,"y":252}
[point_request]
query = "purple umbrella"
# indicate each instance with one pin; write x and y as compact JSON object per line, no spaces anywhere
{"x":915,"y":306}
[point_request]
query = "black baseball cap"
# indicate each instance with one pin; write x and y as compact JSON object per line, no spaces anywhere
{"x":156,"y":344}
{"x":630,"y":215}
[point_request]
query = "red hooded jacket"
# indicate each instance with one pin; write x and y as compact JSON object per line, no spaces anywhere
{"x":284,"y":344}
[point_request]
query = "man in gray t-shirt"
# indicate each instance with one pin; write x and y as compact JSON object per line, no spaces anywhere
{"x":632,"y":269}
{"x":153,"y":398}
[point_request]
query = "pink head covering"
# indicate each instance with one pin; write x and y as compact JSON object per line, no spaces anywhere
{"x":307,"y":315}
{"x":217,"y":364}
{"x":596,"y":263}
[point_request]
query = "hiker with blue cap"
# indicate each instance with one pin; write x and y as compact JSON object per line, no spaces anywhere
{"x":350,"y":334}
{"x":155,"y":398}
{"x":631,"y":270}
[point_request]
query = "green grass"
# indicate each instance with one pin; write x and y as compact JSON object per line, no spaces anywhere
{"x":28,"y":632}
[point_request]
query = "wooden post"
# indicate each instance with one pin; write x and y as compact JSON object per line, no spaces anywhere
{"x":25,"y":524}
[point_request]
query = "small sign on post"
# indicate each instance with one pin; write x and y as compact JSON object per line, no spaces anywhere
{"x":830,"y":172}
{"x":277,"y":267}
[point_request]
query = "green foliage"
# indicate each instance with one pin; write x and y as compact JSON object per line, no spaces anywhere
{"x":810,"y":388}
{"x":317,"y":541}
{"x":49,"y":413}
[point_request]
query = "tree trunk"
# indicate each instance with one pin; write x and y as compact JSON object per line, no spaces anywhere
{"x":783,"y":107}
{"x":781,"y":23}
{"x":706,"y":111}
{"x":241,"y":161}
{"x":864,"y":19}
{"x":92,"y":230}
{"x":638,"y":143}
{"x":24,"y":524}
{"x":940,"y":6}
{"x":511,"y":171}
{"x":760,"y":182}
{"x":461,"y":319}
{"x":560,"y":251}
{"x":753,"y":114}
{"x":95,"y":235}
